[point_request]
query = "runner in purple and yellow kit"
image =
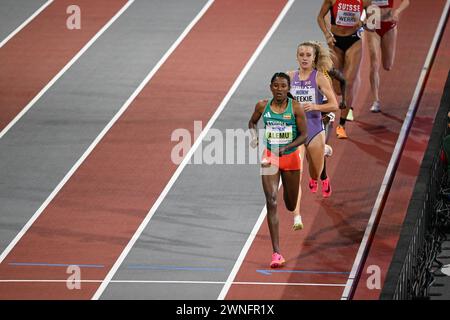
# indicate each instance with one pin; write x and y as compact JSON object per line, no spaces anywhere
{"x":309,"y":86}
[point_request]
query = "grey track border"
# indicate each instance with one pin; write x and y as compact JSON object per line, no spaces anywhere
{"x":67,"y":118}
{"x":14,"y":14}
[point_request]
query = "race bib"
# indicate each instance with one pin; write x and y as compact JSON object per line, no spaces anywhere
{"x":347,"y":18}
{"x":279,"y":134}
{"x":380,"y":3}
{"x":304,"y":94}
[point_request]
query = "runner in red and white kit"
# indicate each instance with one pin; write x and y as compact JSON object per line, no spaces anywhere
{"x":383,"y":41}
{"x":343,"y":37}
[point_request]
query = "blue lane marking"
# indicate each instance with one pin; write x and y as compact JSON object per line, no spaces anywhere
{"x":269,"y":272}
{"x":171,"y":268}
{"x":32,"y":264}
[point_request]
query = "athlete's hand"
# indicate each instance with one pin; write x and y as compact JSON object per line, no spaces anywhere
{"x":395,"y":16}
{"x":254,"y":143}
{"x":330,"y":39}
{"x":281,"y":151}
{"x":342,"y":105}
{"x":310,"y":107}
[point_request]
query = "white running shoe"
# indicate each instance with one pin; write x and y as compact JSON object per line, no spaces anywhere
{"x":328,"y":151}
{"x":375,"y":107}
{"x":332,"y":116}
{"x":298,"y":224}
{"x":350,"y":116}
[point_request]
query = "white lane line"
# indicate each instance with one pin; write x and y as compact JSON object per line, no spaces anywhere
{"x":242,"y":255}
{"x":83,"y":157}
{"x":190,"y":153}
{"x":104,"y":131}
{"x":180,"y":282}
{"x":86,"y":153}
{"x":23,"y":25}
{"x":290,"y":284}
{"x":63,"y":70}
{"x":376,"y":211}
{"x":172,"y":180}
{"x":263,"y":213}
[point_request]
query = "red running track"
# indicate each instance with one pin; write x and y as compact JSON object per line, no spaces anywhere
{"x":96,"y":213}
{"x":334,"y":227}
{"x":38,"y":52}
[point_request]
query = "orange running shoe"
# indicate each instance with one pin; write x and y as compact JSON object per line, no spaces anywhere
{"x":340,"y":132}
{"x":277,"y":260}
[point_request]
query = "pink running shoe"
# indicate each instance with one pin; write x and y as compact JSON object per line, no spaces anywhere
{"x":277,"y":260}
{"x":326,"y":188}
{"x":313,"y":185}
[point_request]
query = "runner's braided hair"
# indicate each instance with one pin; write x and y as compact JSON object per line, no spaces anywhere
{"x":281,"y":75}
{"x":284,"y":76}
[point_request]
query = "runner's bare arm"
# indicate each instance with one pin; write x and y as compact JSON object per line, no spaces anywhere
{"x":252,"y":124}
{"x":399,"y":10}
{"x":339,"y":76}
{"x":302,"y":129}
{"x":327,"y":4}
{"x":363,"y":23}
{"x":327,"y":90}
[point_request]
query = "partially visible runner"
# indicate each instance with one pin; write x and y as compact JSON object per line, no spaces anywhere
{"x":309,"y":86}
{"x":343,"y":38}
{"x":383,"y":42}
{"x":285,"y":130}
{"x":328,"y":117}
